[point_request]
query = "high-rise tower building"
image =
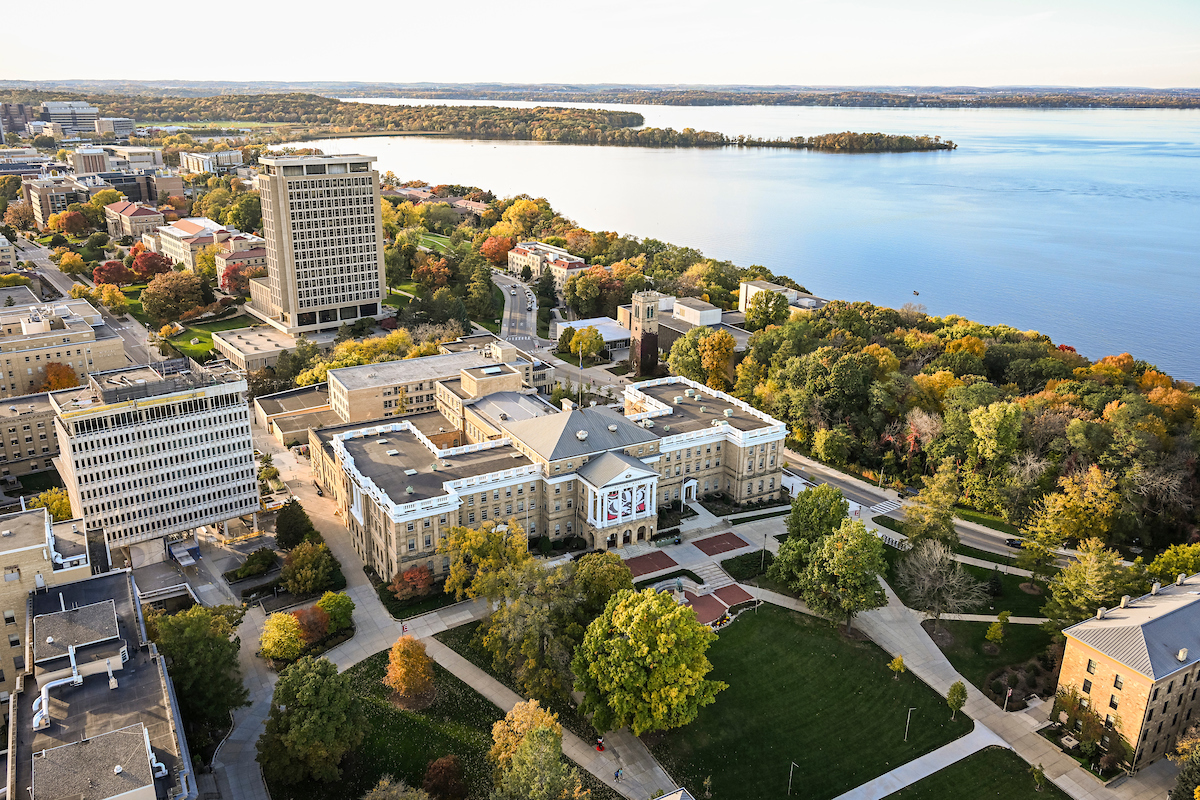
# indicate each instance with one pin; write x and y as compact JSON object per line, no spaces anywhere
{"x":324,"y":232}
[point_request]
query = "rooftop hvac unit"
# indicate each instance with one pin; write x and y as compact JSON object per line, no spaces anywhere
{"x":392,"y":452}
{"x":581,"y":435}
{"x":381,"y":441}
{"x":703,"y":409}
{"x":408,"y":490}
{"x":728,"y":412}
{"x":678,"y":399}
{"x":410,"y":471}
{"x":690,"y":392}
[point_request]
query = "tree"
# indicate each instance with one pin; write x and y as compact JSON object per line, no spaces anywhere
{"x":599,"y":576}
{"x":495,"y":249}
{"x":1186,"y":756}
{"x":842,"y":575}
{"x":282,"y":639}
{"x":432,"y":274}
{"x":314,"y":624}
{"x":1096,"y":578}
{"x":20,"y":216}
{"x":58,"y":376}
{"x":168,"y":296}
{"x":113,"y":272}
{"x":526,"y":273}
{"x":1039,"y":777}
{"x":416,"y":581}
{"x":896,"y":665}
{"x":206,"y":262}
{"x":69,"y":222}
{"x":931,"y":516}
{"x":587,"y":344}
{"x":314,"y":721}
{"x":97,"y":240}
{"x":308,"y":568}
{"x":112,"y":298}
{"x":956,"y":698}
{"x":995,"y":631}
{"x":1086,"y":507}
{"x":56,"y":501}
{"x":1176,"y":560}
{"x":935,"y":583}
{"x":410,"y":670}
{"x":236,"y":278}
{"x":817,"y":511}
{"x":72,"y":264}
{"x":340,"y":609}
{"x":538,"y":772}
{"x":508,"y":733}
{"x":105,"y":197}
{"x":1039,"y":551}
{"x":685,"y":358}
{"x":203,"y":655}
{"x":443,"y":779}
{"x":832,"y":445}
{"x":147,"y":264}
{"x":390,"y":789}
{"x":292,"y":525}
{"x":565,"y":337}
{"x":766,"y":308}
{"x":479,"y":555}
{"x":642,"y":664}
{"x":481,"y":300}
{"x":715,"y":352}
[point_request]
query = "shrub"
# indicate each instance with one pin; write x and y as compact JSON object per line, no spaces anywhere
{"x":1033,"y":669}
{"x":1013,"y":680}
{"x":340,"y":609}
{"x":282,"y":639}
{"x":257,"y":563}
{"x":998,"y":688}
{"x":314,"y":623}
{"x":308,"y":569}
{"x":443,"y":779}
{"x":412,"y":583}
{"x":544,"y":546}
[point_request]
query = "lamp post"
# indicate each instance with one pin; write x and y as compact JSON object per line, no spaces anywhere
{"x":907,"y":723}
{"x":762,"y":564}
{"x":790,"y":770}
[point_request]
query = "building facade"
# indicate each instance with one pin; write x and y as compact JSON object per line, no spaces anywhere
{"x":148,"y":455}
{"x":324,"y":238}
{"x":8,"y":252}
{"x":119,"y":127}
{"x":216,"y":162}
{"x":74,"y":116}
{"x":181,"y":240}
{"x":49,"y":196}
{"x":124,"y":218}
{"x":29,"y":441}
{"x":88,"y":160}
{"x":71,"y":333}
{"x":1137,"y":666}
{"x":132,"y":157}
{"x":643,"y":332}
{"x":541,"y":258}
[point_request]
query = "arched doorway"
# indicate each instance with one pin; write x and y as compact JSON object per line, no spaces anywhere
{"x":627,"y":537}
{"x":642,"y":533}
{"x":689,"y":491}
{"x":611,"y":541}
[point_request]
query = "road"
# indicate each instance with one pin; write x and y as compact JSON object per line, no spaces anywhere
{"x":129,"y":329}
{"x":518,"y":324}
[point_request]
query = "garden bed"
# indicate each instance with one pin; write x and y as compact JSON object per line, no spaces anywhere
{"x":670,"y":515}
{"x":1022,"y":648}
{"x":749,"y":565}
{"x":679,"y":573}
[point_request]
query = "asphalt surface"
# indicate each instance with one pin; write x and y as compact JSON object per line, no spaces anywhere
{"x":129,"y":329}
{"x":518,"y":325}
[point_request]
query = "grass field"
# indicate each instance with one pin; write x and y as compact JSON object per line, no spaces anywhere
{"x":204,"y":332}
{"x":134,"y":293}
{"x":987,"y":520}
{"x":1014,"y":600}
{"x":41,"y":481}
{"x":992,"y":774}
{"x":801,"y":692}
{"x":1021,"y":643}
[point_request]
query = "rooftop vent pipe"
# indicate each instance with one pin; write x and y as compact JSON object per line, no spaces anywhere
{"x":1182,"y":654}
{"x":1180,"y":578}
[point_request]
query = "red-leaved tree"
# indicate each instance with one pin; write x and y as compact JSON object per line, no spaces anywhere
{"x":236,"y":278}
{"x":314,"y":623}
{"x":113,"y":272}
{"x":147,"y":264}
{"x":496,"y":248}
{"x":413,"y":582}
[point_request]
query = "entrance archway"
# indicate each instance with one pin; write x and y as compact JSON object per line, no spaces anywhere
{"x":627,"y":537}
{"x":642,"y":533}
{"x":689,"y":491}
{"x":611,"y":541}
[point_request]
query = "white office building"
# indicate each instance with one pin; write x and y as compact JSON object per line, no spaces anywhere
{"x":150,"y":454}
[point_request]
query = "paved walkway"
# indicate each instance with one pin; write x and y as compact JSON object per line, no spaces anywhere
{"x":992,"y":618}
{"x":979,"y":738}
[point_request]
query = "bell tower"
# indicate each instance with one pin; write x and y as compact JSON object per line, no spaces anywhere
{"x":643,"y":350}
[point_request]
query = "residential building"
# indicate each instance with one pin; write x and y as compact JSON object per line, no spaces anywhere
{"x":8,"y":252}
{"x":37,"y":554}
{"x":181,"y":240}
{"x":801,"y":301}
{"x":131,"y":219}
{"x":74,"y":116}
{"x":28,"y":443}
{"x":217,"y":162}
{"x":15,"y":116}
{"x":591,"y":473}
{"x":132,"y":157}
{"x":51,"y":195}
{"x":324,"y":239}
{"x":119,"y":127}
{"x":540,"y":258}
{"x":70,"y":332}
{"x":94,"y":714}
{"x":151,"y":454}
{"x":1138,"y":667}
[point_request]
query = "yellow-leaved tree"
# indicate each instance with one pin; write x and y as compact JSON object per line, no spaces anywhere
{"x":508,"y":733}
{"x":281,"y":639}
{"x":478,"y":556}
{"x":410,"y":670}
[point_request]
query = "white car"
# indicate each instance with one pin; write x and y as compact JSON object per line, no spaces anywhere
{"x":513,"y":292}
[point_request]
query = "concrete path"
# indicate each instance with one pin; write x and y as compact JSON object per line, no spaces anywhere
{"x":979,"y":738}
{"x":992,"y":618}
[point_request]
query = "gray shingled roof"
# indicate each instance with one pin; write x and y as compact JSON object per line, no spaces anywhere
{"x":86,"y":770}
{"x":607,"y":466}
{"x":555,"y":436}
{"x":1148,"y":635}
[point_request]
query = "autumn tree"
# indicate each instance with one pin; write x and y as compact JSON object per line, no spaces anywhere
{"x":766,"y":308}
{"x":1085,"y":507}
{"x":495,"y":249}
{"x":388,"y":788}
{"x":715,"y":353}
{"x":114,"y":273}
{"x":314,"y":623}
{"x":537,"y":771}
{"x":313,"y":723}
{"x":587,"y":343}
{"x":56,"y":501}
{"x":643,"y":664}
{"x":340,"y":609}
{"x":444,"y":779}
{"x":206,"y":262}
{"x":147,"y":264}
{"x":896,"y":665}
{"x":935,"y":583}
{"x":995,"y":631}
{"x":1097,"y":577}
{"x":72,"y":264}
{"x":432,"y":274}
{"x":931,"y":515}
{"x":236,"y":277}
{"x":20,"y":216}
{"x":58,"y":376}
{"x":479,"y":555}
{"x":416,"y":581}
{"x":410,"y":670}
{"x":282,"y":638}
{"x":105,"y":197}
{"x":170,"y":294}
{"x":72,"y":223}
{"x":841,"y":578}
{"x":1176,"y":560}
{"x":685,"y":358}
{"x":509,"y":732}
{"x":565,"y":337}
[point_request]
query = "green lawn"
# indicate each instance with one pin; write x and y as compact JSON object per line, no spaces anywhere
{"x":396,"y":300}
{"x":1021,"y":643}
{"x":435,"y":241}
{"x":987,"y":520}
{"x":41,"y":481}
{"x":801,"y":692}
{"x":986,"y":555}
{"x":1013,"y":599}
{"x":402,"y":743}
{"x":543,"y":321}
{"x":134,"y":294}
{"x":749,"y":565}
{"x":204,"y":332}
{"x":992,"y":774}
{"x":498,"y":305}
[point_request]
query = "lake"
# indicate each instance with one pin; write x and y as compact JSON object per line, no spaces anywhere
{"x":1081,"y":224}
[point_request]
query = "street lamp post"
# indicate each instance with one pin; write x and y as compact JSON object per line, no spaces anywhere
{"x":906,"y":724}
{"x":790,"y":770}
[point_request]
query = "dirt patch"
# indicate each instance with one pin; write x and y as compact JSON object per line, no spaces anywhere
{"x":1031,"y":588}
{"x":941,"y":637}
{"x":418,"y":702}
{"x":991,"y":649}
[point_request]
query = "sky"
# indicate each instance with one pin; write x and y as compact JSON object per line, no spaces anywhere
{"x":1154,"y":43}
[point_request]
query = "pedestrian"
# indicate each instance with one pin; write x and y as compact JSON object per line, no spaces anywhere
{"x":617,"y":776}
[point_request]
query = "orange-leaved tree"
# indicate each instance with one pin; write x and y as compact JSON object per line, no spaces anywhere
{"x":58,"y":376}
{"x":410,"y":670}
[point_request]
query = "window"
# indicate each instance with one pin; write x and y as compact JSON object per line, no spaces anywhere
{"x":410,"y":527}
{"x":412,"y":544}
{"x":1091,"y":667}
{"x":471,"y":518}
{"x":429,"y":543}
{"x":1112,"y":702}
{"x":10,"y":618}
{"x":1108,"y":720}
{"x":1087,"y":687}
{"x":14,"y":640}
{"x":1117,"y":682}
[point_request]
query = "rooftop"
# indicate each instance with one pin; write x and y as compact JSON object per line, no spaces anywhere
{"x":694,"y":413}
{"x":1150,"y":633}
{"x":293,"y":400}
{"x":23,"y":529}
{"x":313,"y":159}
{"x":108,"y":765}
{"x":694,"y":302}
{"x":21,"y":296}
{"x":580,"y":431}
{"x":396,"y":461}
{"x":608,"y":328}
{"x":501,"y":408}
{"x":26,"y":404}
{"x":141,"y":381}
{"x":54,"y":634}
{"x":741,"y":336}
{"x":296,"y":424}
{"x":408,"y":370}
{"x":257,"y":339}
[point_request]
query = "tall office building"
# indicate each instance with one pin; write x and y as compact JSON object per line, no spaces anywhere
{"x":324,"y":232}
{"x":150,"y":454}
{"x":75,"y":116}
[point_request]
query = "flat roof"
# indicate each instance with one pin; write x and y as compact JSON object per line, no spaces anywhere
{"x":54,"y":634}
{"x":23,"y":529}
{"x":26,"y":405}
{"x":312,"y":159}
{"x":389,"y":472}
{"x":694,"y":413}
{"x":501,"y":408}
{"x":490,"y":371}
{"x":386,"y":373}
{"x":741,"y":336}
{"x":256,"y":340}
{"x":476,"y":341}
{"x":301,"y":399}
{"x":608,"y":328}
{"x":108,"y":765}
{"x":298,"y":423}
{"x":20,"y":295}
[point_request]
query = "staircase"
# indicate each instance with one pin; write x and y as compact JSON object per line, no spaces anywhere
{"x":713,"y":576}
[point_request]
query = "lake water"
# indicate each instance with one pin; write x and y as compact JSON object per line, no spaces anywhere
{"x":1082,"y":224}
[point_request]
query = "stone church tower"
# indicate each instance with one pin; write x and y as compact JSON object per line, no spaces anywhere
{"x":643,"y":325}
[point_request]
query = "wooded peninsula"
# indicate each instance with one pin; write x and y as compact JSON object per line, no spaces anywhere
{"x":294,"y":117}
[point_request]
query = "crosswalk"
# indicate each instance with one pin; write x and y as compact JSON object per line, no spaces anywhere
{"x":886,"y":507}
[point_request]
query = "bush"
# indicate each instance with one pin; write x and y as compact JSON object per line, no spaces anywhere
{"x":544,"y":546}
{"x":670,"y":533}
{"x":340,"y":609}
{"x":314,"y":623}
{"x":1013,"y":680}
{"x":412,"y":584}
{"x":257,"y":563}
{"x":1033,"y":669}
{"x":998,"y":688}
{"x":309,"y":569}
